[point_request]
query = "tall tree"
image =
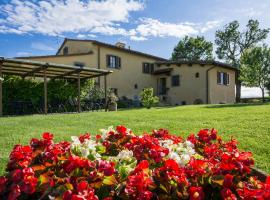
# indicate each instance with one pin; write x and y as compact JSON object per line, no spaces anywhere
{"x":231,"y":43}
{"x":190,"y":48}
{"x":255,"y":70}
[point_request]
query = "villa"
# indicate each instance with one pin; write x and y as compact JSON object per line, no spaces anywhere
{"x":176,"y":83}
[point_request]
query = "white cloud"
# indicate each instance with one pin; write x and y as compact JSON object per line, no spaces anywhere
{"x":22,"y":54}
{"x":59,"y":16}
{"x":41,"y":46}
{"x":87,"y":18}
{"x":137,"y":38}
{"x":153,"y":27}
{"x":83,"y":36}
{"x":210,"y":25}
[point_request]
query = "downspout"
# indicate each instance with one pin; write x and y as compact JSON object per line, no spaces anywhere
{"x":98,"y":63}
{"x":207,"y":84}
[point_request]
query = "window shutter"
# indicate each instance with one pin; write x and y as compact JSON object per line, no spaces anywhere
{"x":119,"y":62}
{"x":151,"y":68}
{"x":228,"y":79}
{"x":218,"y":78}
{"x":224,"y":78}
{"x":108,"y":61}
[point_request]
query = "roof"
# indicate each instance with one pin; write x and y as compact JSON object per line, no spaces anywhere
{"x":113,"y":47}
{"x":199,"y":62}
{"x":27,"y":68}
{"x":47,"y":56}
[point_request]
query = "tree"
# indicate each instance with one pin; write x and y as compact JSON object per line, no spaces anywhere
{"x":147,"y":97}
{"x":231,"y":43}
{"x":190,"y":48}
{"x":255,"y":70}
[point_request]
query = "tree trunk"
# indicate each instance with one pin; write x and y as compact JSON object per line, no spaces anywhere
{"x":263,"y":99}
{"x":238,"y":87}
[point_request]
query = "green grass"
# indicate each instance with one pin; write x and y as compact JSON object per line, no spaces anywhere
{"x":249,"y":124}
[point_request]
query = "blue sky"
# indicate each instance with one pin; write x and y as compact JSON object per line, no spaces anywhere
{"x":32,"y":27}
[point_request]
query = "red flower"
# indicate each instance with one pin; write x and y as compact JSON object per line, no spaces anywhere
{"x":3,"y":181}
{"x":227,"y":194}
{"x":84,"y":137}
{"x":15,"y":192}
{"x":17,"y":175}
{"x":196,"y":193}
{"x":47,"y":136}
{"x":121,"y":129}
{"x":228,"y":181}
{"x":106,"y":167}
{"x":84,"y":192}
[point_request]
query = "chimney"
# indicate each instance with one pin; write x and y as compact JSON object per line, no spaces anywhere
{"x":120,"y":44}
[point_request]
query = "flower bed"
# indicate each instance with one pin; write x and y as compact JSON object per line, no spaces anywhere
{"x":120,"y":165}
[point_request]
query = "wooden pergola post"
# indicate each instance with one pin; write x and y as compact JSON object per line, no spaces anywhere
{"x":1,"y":91}
{"x":45,"y":91}
{"x":79,"y":92}
{"x":105,"y":88}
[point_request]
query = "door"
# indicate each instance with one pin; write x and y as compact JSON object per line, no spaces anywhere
{"x":162,"y":86}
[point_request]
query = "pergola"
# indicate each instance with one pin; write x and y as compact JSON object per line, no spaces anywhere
{"x":46,"y":70}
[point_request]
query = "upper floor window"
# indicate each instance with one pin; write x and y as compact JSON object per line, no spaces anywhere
{"x":113,"y":62}
{"x":223,"y":78}
{"x":197,"y":75}
{"x":65,"y":51}
{"x":148,"y":68}
{"x":79,"y":64}
{"x":175,"y":80}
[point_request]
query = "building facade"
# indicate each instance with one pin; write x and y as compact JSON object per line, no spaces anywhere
{"x":176,"y":83}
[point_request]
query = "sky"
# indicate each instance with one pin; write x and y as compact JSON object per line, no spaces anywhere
{"x":33,"y":27}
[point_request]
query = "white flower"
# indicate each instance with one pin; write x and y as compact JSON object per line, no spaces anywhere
{"x":124,"y":155}
{"x":104,"y":132}
{"x":1,"y":79}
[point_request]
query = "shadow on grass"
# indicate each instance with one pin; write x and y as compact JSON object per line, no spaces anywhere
{"x":235,"y":105}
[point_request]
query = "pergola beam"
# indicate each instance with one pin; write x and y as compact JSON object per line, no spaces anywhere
{"x":67,"y":74}
{"x":32,"y":73}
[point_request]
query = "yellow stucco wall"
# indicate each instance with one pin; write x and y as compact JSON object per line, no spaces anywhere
{"x":192,"y":88}
{"x":130,"y":73}
{"x":221,"y":93}
{"x":87,"y":59}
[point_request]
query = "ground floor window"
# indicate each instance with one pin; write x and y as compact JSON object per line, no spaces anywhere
{"x":223,"y":78}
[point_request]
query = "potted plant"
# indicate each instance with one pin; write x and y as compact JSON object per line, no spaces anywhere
{"x":112,"y":102}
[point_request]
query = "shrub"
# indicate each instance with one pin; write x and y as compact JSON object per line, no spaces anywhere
{"x":120,"y":165}
{"x":148,"y":99}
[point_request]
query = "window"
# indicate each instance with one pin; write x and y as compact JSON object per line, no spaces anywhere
{"x":223,"y":78}
{"x":148,"y":68}
{"x":197,"y":75}
{"x":65,"y":51}
{"x":135,"y":86}
{"x":113,"y":62}
{"x":79,"y":64}
{"x":175,"y":80}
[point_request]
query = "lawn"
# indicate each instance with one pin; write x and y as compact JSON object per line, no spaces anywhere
{"x":250,"y":124}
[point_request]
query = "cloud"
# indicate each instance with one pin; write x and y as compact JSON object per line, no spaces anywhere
{"x":210,"y":25}
{"x":60,"y":16}
{"x":86,"y":18}
{"x":41,"y":46}
{"x":22,"y":54}
{"x":153,"y":27}
{"x":83,"y":36}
